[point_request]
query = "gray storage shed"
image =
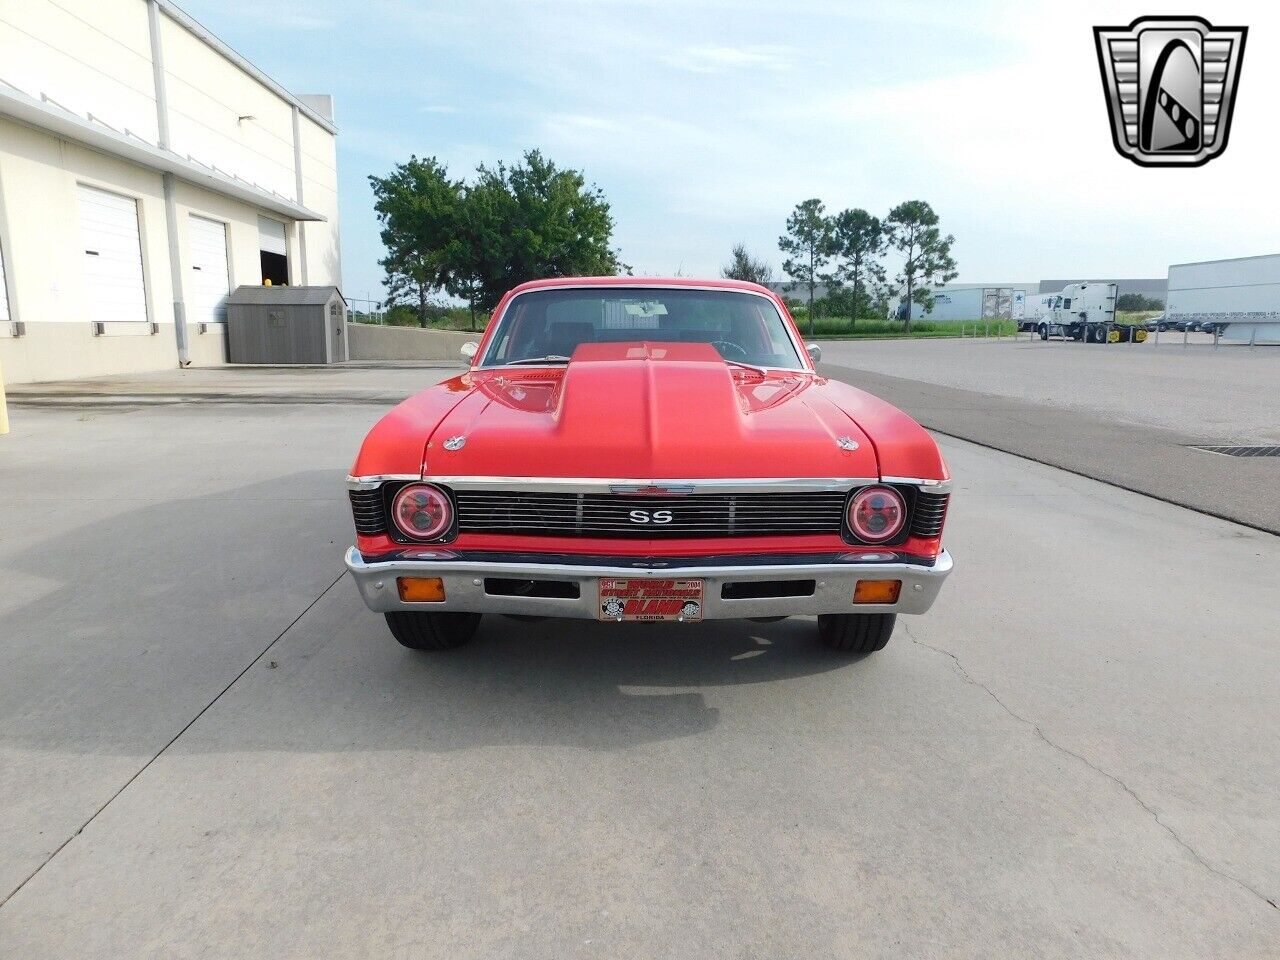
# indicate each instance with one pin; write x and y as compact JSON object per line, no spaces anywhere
{"x":286,"y":325}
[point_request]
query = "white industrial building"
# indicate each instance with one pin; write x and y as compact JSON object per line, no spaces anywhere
{"x":969,"y":301}
{"x":146,"y":170}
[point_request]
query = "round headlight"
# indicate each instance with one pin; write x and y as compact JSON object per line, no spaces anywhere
{"x":422,"y":511}
{"x":876,"y":514}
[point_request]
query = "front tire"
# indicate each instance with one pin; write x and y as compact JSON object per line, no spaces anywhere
{"x":856,"y":633}
{"x":432,"y":631}
{"x":1043,"y":330}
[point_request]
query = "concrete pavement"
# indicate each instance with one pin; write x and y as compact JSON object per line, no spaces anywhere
{"x":1130,"y":417}
{"x":1064,"y":759}
{"x":1227,"y":395}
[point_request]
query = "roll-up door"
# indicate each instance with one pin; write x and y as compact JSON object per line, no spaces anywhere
{"x":112,"y":256}
{"x":210,"y":278}
{"x":273,"y":251}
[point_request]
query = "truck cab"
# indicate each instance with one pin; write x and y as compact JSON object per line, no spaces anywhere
{"x":1082,"y":311}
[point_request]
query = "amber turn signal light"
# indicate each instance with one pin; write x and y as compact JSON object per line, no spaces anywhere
{"x":877,"y":591}
{"x":420,"y":589}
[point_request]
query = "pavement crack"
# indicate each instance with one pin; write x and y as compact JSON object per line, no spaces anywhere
{"x":174,"y":739}
{"x":1039,"y":732}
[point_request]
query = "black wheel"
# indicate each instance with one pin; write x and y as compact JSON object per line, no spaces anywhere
{"x":1043,"y":330}
{"x":1097,"y":334}
{"x":432,"y":631}
{"x":856,"y":632}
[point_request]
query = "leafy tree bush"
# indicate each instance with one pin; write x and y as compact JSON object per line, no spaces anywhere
{"x":743,"y":266}
{"x":912,"y":229}
{"x":475,"y":241}
{"x":1135,"y":302}
{"x":857,"y":241}
{"x":808,"y":244}
{"x":420,"y":210}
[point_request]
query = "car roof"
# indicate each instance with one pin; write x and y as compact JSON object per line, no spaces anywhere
{"x":718,"y":283}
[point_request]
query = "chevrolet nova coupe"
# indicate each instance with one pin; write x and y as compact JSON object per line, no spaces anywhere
{"x":627,"y":449}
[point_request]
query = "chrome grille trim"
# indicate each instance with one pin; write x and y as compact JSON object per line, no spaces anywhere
{"x":367,"y":511}
{"x":374,"y":481}
{"x":592,"y":508}
{"x":627,"y":486}
{"x":930,"y":514}
{"x":609,"y":515}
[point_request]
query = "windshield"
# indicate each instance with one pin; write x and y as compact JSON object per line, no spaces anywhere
{"x":743,"y":327}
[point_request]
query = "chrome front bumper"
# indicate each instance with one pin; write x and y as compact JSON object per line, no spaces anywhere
{"x":465,"y":589}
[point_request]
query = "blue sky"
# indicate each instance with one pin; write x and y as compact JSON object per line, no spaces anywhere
{"x":706,"y":121}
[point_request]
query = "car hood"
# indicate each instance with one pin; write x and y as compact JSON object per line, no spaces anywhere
{"x":647,"y":411}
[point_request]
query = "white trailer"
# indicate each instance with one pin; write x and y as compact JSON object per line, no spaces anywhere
{"x":1080,"y":311}
{"x":1239,"y":298}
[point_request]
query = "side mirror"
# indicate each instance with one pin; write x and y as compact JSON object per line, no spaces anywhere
{"x":468,"y":350}
{"x":814,"y":351}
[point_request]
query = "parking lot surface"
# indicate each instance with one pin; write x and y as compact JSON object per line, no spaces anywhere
{"x":211,"y":748}
{"x":1124,"y":413}
{"x":1226,"y":395}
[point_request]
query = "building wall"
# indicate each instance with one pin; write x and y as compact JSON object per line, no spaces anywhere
{"x":93,"y":59}
{"x":89,"y":56}
{"x":958,"y":301}
{"x":1155,"y":287}
{"x":38,"y":179}
{"x":372,"y":342}
{"x":319,"y":159}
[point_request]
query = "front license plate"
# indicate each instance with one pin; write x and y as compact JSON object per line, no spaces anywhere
{"x":650,"y":600}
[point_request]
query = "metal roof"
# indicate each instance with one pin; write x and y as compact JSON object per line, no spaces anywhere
{"x":284,"y":296}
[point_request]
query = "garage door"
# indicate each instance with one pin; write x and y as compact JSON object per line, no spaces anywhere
{"x":273,"y":251}
{"x":112,"y":256}
{"x":210,"y":280}
{"x":4,"y":292}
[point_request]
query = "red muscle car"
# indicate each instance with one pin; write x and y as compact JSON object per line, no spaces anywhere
{"x":628,"y":449}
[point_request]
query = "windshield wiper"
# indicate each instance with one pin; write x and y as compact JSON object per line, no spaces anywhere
{"x":550,"y":358}
{"x":763,"y":371}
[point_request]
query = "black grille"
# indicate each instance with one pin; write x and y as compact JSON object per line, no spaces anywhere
{"x":1243,"y":451}
{"x":610,"y":515}
{"x":929,"y":514}
{"x":368,"y":511}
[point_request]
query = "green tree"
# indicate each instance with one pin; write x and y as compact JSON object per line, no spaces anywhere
{"x":420,"y":211}
{"x":808,"y":246}
{"x":1136,"y":301}
{"x":743,"y":266}
{"x":858,"y":241}
{"x":912,"y":229}
{"x":528,"y":221}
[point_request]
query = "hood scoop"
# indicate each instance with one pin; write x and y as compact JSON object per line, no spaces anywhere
{"x":647,"y":411}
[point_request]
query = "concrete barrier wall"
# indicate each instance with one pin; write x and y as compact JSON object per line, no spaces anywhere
{"x":371,"y":342}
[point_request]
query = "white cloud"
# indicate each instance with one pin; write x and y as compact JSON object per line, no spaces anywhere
{"x":720,"y":59}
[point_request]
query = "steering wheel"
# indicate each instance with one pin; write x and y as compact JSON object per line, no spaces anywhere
{"x":728,"y":347}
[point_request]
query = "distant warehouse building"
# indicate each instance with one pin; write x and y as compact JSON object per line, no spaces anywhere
{"x":1153,"y":288}
{"x":969,"y":301}
{"x":146,"y":170}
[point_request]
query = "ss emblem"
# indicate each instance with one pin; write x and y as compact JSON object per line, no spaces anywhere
{"x":651,"y":516}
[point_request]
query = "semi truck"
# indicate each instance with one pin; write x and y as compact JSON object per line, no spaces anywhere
{"x":1079,"y":311}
